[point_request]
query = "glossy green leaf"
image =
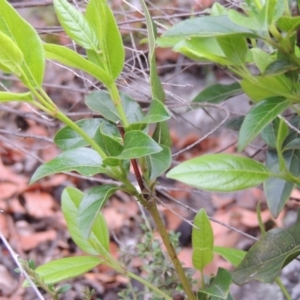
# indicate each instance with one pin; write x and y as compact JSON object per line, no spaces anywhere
{"x":278,"y":67}
{"x":27,"y":39}
{"x":159,"y":162}
{"x":258,"y":118}
{"x":277,"y":190}
{"x":219,"y":287}
{"x":98,"y":241}
{"x":157,"y":113}
{"x":100,"y":102}
{"x":261,"y":58}
{"x":206,"y":26}
{"x":234,"y":256}
{"x":269,"y":255}
{"x":101,"y":16}
{"x":75,"y":25}
{"x":266,"y":87}
{"x":220,"y":172}
{"x":138,"y":144}
{"x":10,"y":54}
{"x":109,"y":139}
{"x":67,"y":138}
{"x":202,"y":241}
{"x":202,"y":49}
{"x":217,"y":93}
{"x":288,"y":23}
{"x":72,"y":59}
{"x":90,"y":206}
{"x":235,"y":48}
{"x":66,"y":268}
{"x":8,"y":97}
{"x":269,"y":133}
{"x":82,"y":160}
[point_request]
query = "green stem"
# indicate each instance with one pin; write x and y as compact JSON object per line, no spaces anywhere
{"x":283,"y":289}
{"x":152,"y":208}
{"x":115,"y":97}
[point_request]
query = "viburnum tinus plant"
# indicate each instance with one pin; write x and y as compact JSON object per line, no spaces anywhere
{"x":259,"y":45}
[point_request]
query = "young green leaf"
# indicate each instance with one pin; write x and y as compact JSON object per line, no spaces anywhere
{"x":265,"y":87}
{"x":67,"y":138}
{"x":157,"y":113}
{"x":219,"y":287}
{"x":82,"y":160}
{"x":288,"y":23}
{"x":66,"y":268}
{"x":258,"y":118}
{"x":269,"y":133}
{"x":98,"y":241}
{"x":72,"y":59}
{"x":159,"y":162}
{"x":261,"y":58}
{"x":234,"y":256}
{"x":75,"y":25}
{"x":244,"y":21}
{"x":264,"y":260}
{"x":91,"y":205}
{"x":102,"y":19}
{"x":235,"y":48}
{"x":11,"y":57}
{"x":27,"y":39}
{"x":220,"y":172}
{"x":8,"y":97}
{"x":218,"y":93}
{"x":138,"y":144}
{"x":202,"y":241}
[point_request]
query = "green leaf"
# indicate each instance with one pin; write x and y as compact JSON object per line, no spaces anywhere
{"x":102,"y":19}
{"x":269,"y":133}
{"x":75,"y":25}
{"x":283,"y":131}
{"x":234,"y":256}
{"x":269,"y":255}
{"x":97,"y":242}
{"x":91,"y":205}
{"x":109,"y":139}
{"x":11,"y":57}
{"x":235,"y":48}
{"x":220,"y":172}
{"x":202,"y":49}
{"x":27,"y":39}
{"x":288,"y":23}
{"x":219,"y":286}
{"x":67,"y":138}
{"x":261,"y":58}
{"x":159,"y":162}
{"x":294,"y":144}
{"x":218,"y":93}
{"x":206,"y":26}
{"x":100,"y":102}
{"x":72,"y":59}
{"x":277,"y":67}
{"x":265,"y":87}
{"x":202,"y":241}
{"x":161,"y":134}
{"x":278,"y":190}
{"x":201,"y":257}
{"x":66,"y":268}
{"x":258,"y":118}
{"x":8,"y":97}
{"x":138,"y":144}
{"x":82,"y":160}
{"x":157,"y":113}
{"x":235,"y":123}
{"x":244,"y":21}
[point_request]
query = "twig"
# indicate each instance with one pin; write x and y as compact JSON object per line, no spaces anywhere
{"x":22,"y":271}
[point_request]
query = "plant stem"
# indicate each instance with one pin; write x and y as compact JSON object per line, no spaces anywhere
{"x":152,"y":208}
{"x":283,"y":289}
{"x":115,"y":97}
